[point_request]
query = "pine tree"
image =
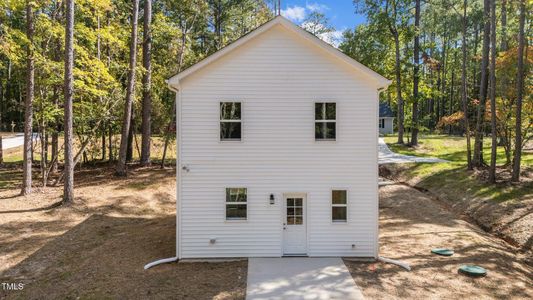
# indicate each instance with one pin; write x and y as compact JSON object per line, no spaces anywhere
{"x":147,"y":81}
{"x":28,"y":114}
{"x":130,"y":94}
{"x":68,"y":189}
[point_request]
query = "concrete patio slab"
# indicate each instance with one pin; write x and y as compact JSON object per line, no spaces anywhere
{"x":300,"y":278}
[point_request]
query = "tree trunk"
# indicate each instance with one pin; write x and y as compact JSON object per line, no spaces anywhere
{"x":475,"y":85}
{"x":129,"y":149}
{"x":492,"y":170}
{"x":483,"y":83}
{"x":503,"y":45}
{"x":110,"y":142}
{"x":147,"y":78}
{"x":103,"y":142}
{"x":1,"y":152}
{"x":445,"y":46}
{"x":414,"y":129}
{"x":399,"y":89}
{"x":68,"y":189}
{"x":464,"y":89}
{"x":55,"y":134}
{"x":44,"y":154}
{"x":520,"y":94}
{"x":55,"y":150}
{"x":167,"y":134}
{"x":28,"y":114}
{"x":130,"y":93}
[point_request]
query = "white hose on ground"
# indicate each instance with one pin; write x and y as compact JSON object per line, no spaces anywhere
{"x":161,"y":261}
{"x":395,"y":262}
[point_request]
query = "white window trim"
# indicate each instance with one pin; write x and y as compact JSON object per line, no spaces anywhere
{"x":324,"y":121}
{"x":382,"y":123}
{"x":338,"y":205}
{"x":220,"y":120}
{"x":226,"y":203}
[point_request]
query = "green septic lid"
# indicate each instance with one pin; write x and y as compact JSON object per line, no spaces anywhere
{"x":442,"y":251}
{"x":471,"y":270}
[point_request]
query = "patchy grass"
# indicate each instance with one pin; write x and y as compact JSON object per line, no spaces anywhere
{"x":452,"y":148}
{"x":503,"y":208}
{"x":455,"y":173}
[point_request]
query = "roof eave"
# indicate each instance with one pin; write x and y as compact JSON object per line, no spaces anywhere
{"x":381,"y":82}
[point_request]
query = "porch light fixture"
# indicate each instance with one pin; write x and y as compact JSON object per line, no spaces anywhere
{"x":272,"y":200}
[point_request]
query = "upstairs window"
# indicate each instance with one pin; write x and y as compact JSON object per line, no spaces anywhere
{"x":236,"y":203}
{"x":230,"y":121}
{"x":325,"y":121}
{"x":339,"y":206}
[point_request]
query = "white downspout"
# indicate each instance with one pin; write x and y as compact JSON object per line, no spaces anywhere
{"x":160,"y":261}
{"x":381,"y":258}
{"x":178,"y":183}
{"x":395,"y":262}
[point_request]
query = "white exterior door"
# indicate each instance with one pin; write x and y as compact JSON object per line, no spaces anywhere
{"x":294,"y":225}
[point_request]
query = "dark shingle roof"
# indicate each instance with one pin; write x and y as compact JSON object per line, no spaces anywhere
{"x":384,"y":110}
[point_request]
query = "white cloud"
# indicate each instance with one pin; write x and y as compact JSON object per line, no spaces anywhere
{"x":295,"y":13}
{"x":316,"y":7}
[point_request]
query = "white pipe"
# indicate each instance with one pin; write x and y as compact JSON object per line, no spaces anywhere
{"x":395,"y":262}
{"x":161,"y":261}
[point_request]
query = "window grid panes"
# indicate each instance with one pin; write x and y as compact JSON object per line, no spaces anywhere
{"x":325,"y":121}
{"x":339,"y":206}
{"x":294,"y":211}
{"x":236,"y":203}
{"x":230,"y":121}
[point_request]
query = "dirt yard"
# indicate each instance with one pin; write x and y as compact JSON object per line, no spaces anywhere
{"x":411,"y":224}
{"x":96,"y":247}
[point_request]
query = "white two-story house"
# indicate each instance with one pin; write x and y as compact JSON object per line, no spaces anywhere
{"x":277,"y":138}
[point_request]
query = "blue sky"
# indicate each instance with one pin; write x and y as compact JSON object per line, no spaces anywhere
{"x":341,"y":13}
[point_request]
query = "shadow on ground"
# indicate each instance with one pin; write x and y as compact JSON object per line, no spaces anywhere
{"x":103,"y":257}
{"x":411,"y":224}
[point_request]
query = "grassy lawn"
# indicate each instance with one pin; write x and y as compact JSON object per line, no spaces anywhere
{"x":454,"y":173}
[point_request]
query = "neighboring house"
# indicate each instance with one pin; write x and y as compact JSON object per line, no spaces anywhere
{"x":386,"y":119}
{"x":277,"y":149}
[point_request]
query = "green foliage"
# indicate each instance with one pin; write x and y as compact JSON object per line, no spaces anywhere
{"x":183,"y":32}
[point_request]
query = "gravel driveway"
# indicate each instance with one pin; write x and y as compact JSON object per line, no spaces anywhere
{"x":386,"y":156}
{"x":16,"y":141}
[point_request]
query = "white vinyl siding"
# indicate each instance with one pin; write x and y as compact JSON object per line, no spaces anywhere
{"x":386,"y":125}
{"x":280,"y":76}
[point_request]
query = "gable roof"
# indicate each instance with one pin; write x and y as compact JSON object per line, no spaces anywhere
{"x":385,"y":111}
{"x":381,"y":81}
